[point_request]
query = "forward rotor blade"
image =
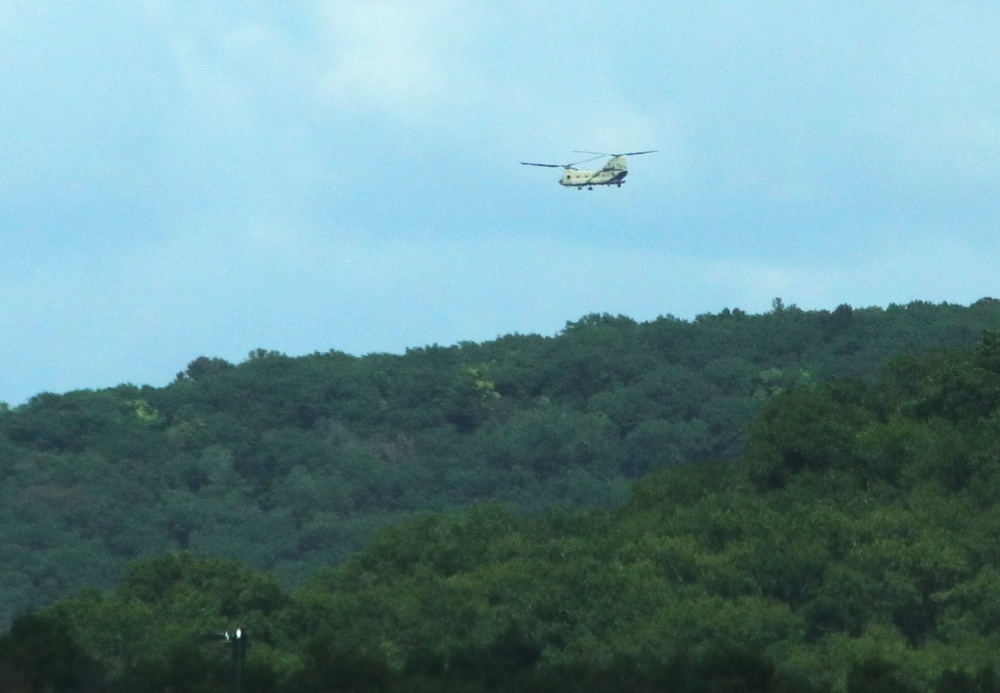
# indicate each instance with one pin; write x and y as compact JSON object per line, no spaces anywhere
{"x":528,"y":163}
{"x":648,"y":151}
{"x":585,"y":161}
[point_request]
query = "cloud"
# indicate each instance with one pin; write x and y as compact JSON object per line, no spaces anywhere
{"x":191,"y":179}
{"x":399,"y":58}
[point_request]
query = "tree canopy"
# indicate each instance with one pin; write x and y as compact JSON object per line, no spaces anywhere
{"x":287,"y":464}
{"x":851,"y":548}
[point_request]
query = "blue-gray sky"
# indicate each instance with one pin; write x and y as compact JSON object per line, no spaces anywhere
{"x":184,"y":178}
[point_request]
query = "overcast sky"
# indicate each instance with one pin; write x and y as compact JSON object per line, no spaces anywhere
{"x":183,"y":178}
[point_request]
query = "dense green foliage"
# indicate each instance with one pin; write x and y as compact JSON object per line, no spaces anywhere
{"x":288,"y":464}
{"x":852,"y":548}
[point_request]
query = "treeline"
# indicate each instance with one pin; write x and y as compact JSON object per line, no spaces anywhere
{"x":851,"y":549}
{"x":289,"y":464}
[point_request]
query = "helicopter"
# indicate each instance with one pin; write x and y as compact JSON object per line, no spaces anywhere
{"x":612,"y":173}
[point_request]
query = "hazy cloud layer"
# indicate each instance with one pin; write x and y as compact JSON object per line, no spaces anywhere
{"x":184,"y":179}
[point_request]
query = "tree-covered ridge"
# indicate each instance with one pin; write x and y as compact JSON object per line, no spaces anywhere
{"x":852,"y":549}
{"x":288,"y":464}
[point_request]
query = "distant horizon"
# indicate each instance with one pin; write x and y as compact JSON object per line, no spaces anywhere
{"x":246,"y":357}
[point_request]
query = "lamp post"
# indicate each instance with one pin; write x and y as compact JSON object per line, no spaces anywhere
{"x":238,"y":639}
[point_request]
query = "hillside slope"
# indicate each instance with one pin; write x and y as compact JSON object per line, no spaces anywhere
{"x":288,"y":464}
{"x":852,"y":549}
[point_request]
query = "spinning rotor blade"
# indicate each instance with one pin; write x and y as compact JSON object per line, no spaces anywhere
{"x":648,"y":151}
{"x":569,"y":165}
{"x":586,"y":160}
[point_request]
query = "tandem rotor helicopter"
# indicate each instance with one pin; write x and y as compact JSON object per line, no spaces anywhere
{"x":612,"y":173}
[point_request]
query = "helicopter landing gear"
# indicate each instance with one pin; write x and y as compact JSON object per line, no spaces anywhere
{"x":590,"y":187}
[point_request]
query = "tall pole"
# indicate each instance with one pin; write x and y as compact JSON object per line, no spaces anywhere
{"x":239,"y":643}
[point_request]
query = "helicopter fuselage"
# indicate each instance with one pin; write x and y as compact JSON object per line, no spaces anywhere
{"x":613,"y":173}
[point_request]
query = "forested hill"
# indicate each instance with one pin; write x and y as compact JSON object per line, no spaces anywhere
{"x":851,"y":549}
{"x":287,"y":464}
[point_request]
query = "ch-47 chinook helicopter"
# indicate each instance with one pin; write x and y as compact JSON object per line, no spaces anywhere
{"x":613,"y":172}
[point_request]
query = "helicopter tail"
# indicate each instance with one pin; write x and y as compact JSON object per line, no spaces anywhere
{"x":617,"y":163}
